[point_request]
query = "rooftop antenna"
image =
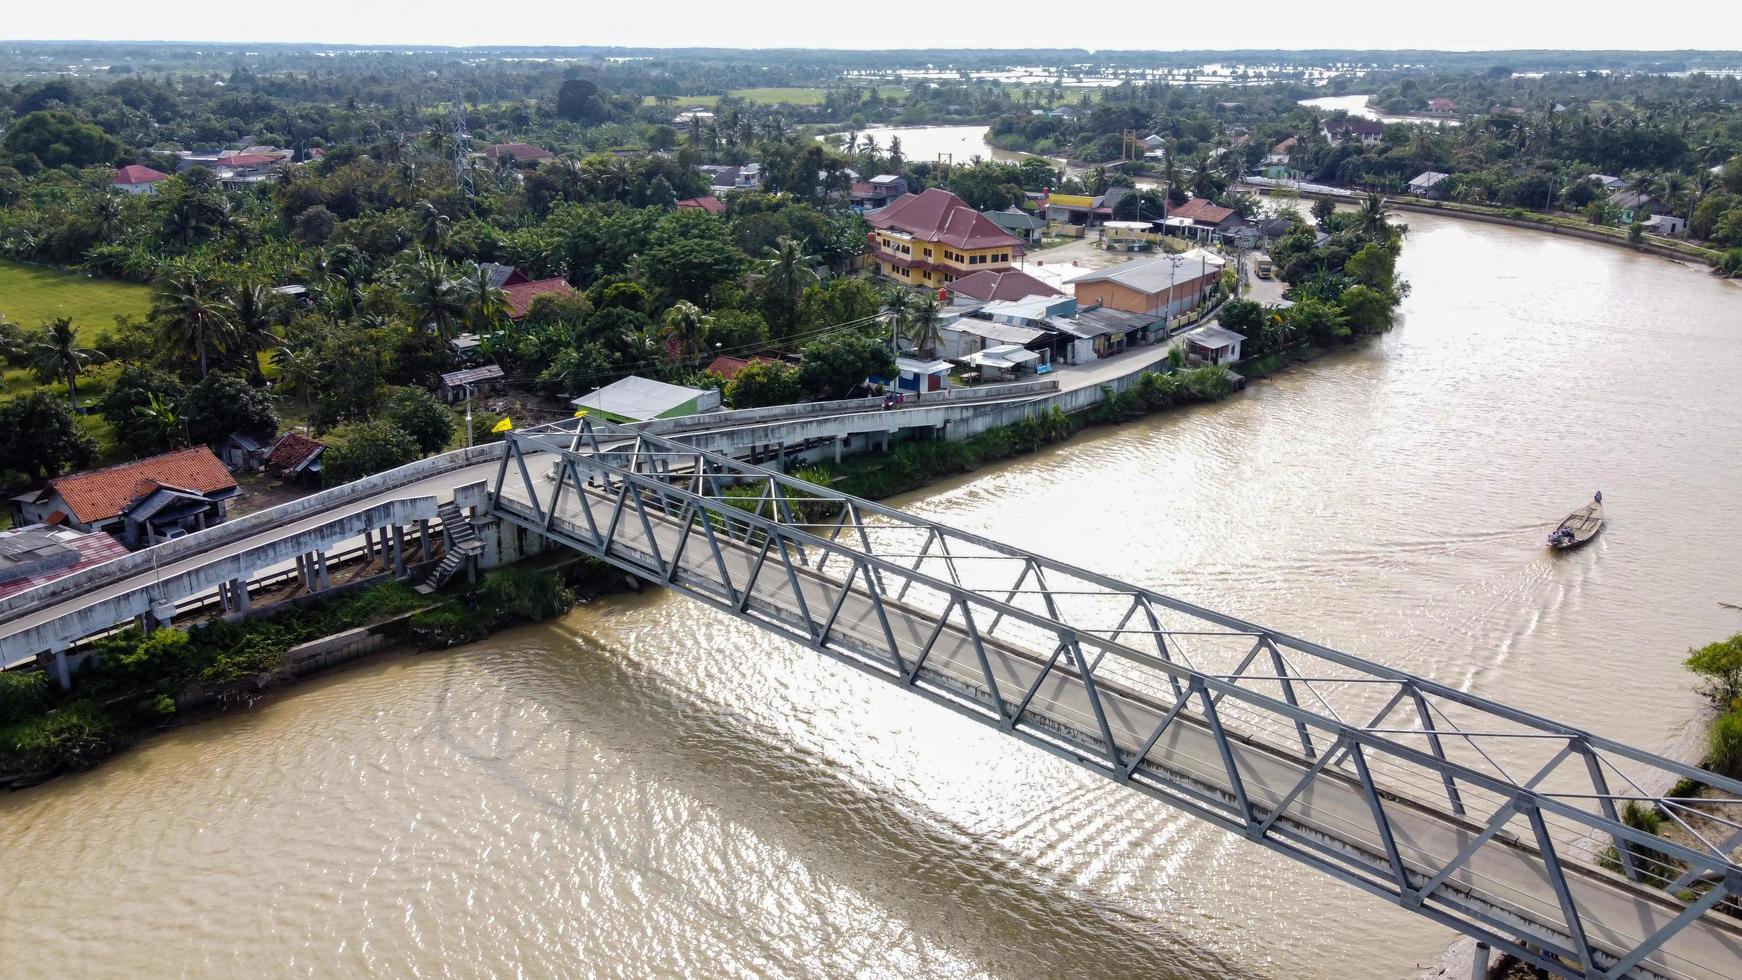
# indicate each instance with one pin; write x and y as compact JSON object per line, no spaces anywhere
{"x":462,"y":147}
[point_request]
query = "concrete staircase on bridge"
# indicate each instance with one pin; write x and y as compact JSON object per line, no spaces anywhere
{"x":461,"y":542}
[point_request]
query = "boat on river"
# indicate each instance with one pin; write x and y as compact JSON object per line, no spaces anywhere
{"x":1580,"y":526}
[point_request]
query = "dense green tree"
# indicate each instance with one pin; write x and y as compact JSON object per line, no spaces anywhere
{"x":135,"y":390}
{"x":367,"y":449}
{"x":421,"y":416}
{"x":579,"y":100}
{"x":839,"y":362}
{"x":58,"y":139}
{"x":762,"y":383}
{"x":39,"y":438}
{"x":221,"y":404}
{"x":1366,"y":309}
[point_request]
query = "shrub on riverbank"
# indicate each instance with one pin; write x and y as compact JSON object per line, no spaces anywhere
{"x":1720,"y":666}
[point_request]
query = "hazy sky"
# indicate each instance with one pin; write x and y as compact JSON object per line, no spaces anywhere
{"x":1134,"y":24}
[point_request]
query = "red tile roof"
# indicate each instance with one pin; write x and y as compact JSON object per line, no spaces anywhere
{"x":1201,"y":210}
{"x":247,"y":160}
{"x":1446,"y":104}
{"x":728,"y":367}
{"x":935,"y":215}
{"x":521,"y":295}
{"x":133,"y":173}
{"x":101,"y":494}
{"x":292,"y":450}
{"x":989,"y":285}
{"x":708,"y":203}
{"x":519,"y":151}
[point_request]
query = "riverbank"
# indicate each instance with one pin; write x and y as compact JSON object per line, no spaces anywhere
{"x":1517,"y":218}
{"x":138,"y":684}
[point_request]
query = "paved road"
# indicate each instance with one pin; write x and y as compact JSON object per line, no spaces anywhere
{"x":1505,"y":876}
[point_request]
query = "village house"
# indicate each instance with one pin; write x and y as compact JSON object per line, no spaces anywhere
{"x":518,"y":152}
{"x":136,"y":179}
{"x":1213,"y":344}
{"x":1082,"y":209}
{"x":933,"y":237}
{"x":878,"y":192}
{"x":1441,"y":107}
{"x":478,"y":381}
{"x":140,"y":503}
{"x":723,"y":178}
{"x":1367,"y":132}
{"x":1166,"y":285}
{"x":1634,"y":205}
{"x":1429,"y":183}
{"x":295,"y":457}
{"x":1608,"y":183}
{"x":708,"y":203}
{"x":637,"y":399}
{"x":1019,"y":223}
{"x":921,"y":374}
{"x":1200,"y":220}
{"x":991,"y":285}
{"x":37,"y":555}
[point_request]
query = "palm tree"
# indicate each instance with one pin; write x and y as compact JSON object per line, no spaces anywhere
{"x":898,"y":303}
{"x":434,"y":297}
{"x":432,"y":225}
{"x":106,"y":216}
{"x":1372,"y":214}
{"x":926,"y":328}
{"x":300,"y":374}
{"x":486,"y":303}
{"x":785,"y":268}
{"x":687,"y":327}
{"x":57,"y":356}
{"x":192,"y":314}
{"x":253,"y":322}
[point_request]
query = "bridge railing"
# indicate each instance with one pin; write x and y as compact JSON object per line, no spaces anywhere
{"x":782,"y":413}
{"x":1512,"y":800}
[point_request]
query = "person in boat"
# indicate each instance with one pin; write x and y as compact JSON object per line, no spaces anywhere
{"x":1599,"y":496}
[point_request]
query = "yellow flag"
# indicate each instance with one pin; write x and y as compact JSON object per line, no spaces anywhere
{"x":581,"y":413}
{"x":503,"y":426}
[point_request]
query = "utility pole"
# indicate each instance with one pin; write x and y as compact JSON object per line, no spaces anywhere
{"x":468,"y":416}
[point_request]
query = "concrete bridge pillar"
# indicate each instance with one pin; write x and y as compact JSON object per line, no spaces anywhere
{"x":399,"y":551}
{"x":1479,"y":967}
{"x":320,"y":558}
{"x":839,"y":442}
{"x":423,"y":538}
{"x":235,"y":595}
{"x":62,"y":674}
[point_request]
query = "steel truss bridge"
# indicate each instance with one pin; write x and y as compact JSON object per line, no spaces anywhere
{"x":1508,"y":827}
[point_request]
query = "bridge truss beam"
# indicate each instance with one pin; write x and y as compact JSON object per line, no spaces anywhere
{"x":1240,"y":725}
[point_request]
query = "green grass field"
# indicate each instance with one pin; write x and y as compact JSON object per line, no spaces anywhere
{"x":31,"y":295}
